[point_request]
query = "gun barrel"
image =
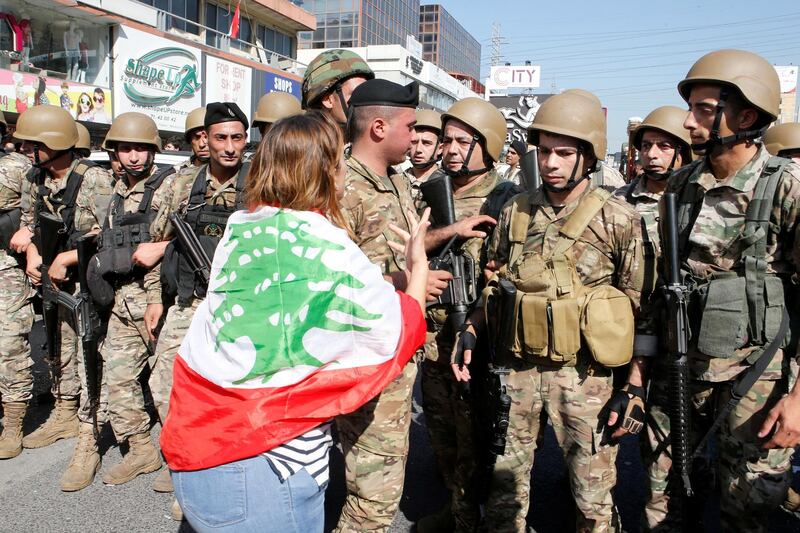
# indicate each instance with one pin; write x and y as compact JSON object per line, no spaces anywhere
{"x":670,"y":245}
{"x":508,"y":297}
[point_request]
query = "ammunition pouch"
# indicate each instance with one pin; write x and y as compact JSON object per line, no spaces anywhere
{"x":9,"y":224}
{"x":556,"y":315}
{"x":719,"y":313}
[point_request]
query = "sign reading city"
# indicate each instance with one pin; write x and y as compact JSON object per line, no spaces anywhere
{"x":508,"y":77}
{"x":229,"y":82}
{"x":157,"y":77}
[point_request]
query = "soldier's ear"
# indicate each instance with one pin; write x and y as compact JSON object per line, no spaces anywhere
{"x":326,"y":102}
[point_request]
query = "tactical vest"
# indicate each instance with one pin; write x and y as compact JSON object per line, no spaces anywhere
{"x":556,"y":315}
{"x":64,"y":207}
{"x":208,"y":222}
{"x":124,"y":231}
{"x":740,"y":308}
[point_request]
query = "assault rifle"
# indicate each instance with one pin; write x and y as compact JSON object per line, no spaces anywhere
{"x":195,"y":254}
{"x":50,"y":237}
{"x":493,"y":404}
{"x":461,"y":291}
{"x":676,"y":295}
{"x":90,"y":328}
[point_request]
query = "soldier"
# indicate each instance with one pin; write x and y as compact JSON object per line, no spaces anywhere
{"x":426,"y":151}
{"x":563,"y":246}
{"x":16,"y":320}
{"x":513,"y":155}
{"x":737,"y":217}
{"x":118,"y":280}
{"x":473,"y":135}
{"x":272,"y":107}
{"x":195,"y":134}
{"x":204,"y":197}
{"x":375,"y":438}
{"x":605,"y":176}
{"x":78,"y":192}
{"x":83,"y":148}
{"x":784,"y":140}
{"x":663,"y":144}
{"x":330,"y":79}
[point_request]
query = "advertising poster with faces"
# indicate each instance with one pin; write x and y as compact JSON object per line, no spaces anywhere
{"x":87,"y":103}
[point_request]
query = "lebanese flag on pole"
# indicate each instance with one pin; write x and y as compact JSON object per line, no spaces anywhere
{"x":298,"y":326}
{"x":234,"y":33}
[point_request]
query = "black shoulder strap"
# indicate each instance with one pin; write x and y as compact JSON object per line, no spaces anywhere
{"x":74,"y":182}
{"x":240,"y":184}
{"x":690,"y":202}
{"x":197,"y":196}
{"x":151,"y":185}
{"x":631,"y":186}
{"x":497,"y":198}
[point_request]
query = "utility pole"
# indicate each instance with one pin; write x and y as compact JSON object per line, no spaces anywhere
{"x":497,"y":42}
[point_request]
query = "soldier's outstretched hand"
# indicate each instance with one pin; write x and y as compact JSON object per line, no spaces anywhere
{"x":784,"y":418}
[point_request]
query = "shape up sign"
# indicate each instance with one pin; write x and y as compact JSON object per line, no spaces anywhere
{"x":161,"y":78}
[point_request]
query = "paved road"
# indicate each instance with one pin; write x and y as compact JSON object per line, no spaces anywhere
{"x":31,"y":500}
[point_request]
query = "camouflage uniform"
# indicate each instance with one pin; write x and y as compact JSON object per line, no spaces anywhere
{"x":447,"y":414}
{"x":648,"y":324}
{"x":16,"y":320}
{"x":608,"y":252}
{"x":608,"y":177}
{"x":179,"y":317}
{"x":375,"y":438}
{"x":753,"y":481}
{"x":126,"y":347}
{"x":91,"y":207}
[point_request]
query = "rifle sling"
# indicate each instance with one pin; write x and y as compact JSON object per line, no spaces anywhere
{"x":746,"y":380}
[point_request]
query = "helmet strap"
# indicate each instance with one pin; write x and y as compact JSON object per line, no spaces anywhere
{"x":716,"y":139}
{"x":37,"y":160}
{"x":573,"y":180}
{"x":464,"y":171}
{"x":343,"y":103}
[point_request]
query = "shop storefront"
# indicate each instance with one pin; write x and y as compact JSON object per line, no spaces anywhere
{"x":47,"y":58}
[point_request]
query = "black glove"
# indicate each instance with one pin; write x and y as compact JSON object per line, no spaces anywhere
{"x":465,"y":340}
{"x":628,"y":403}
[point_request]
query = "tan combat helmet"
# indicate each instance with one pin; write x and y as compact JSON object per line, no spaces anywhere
{"x":573,"y":115}
{"x":586,"y":94}
{"x":783,"y":139}
{"x":667,"y":119}
{"x":328,"y":70}
{"x":84,"y":139}
{"x":428,"y":119}
{"x":485,"y":119}
{"x":274,"y":106}
{"x":132,"y":127}
{"x":749,"y":74}
{"x":194,"y":120}
{"x":50,"y":125}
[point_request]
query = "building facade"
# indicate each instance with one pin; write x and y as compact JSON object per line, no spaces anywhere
{"x":357,"y":23}
{"x":98,"y":59}
{"x":437,"y":89}
{"x":447,"y":44}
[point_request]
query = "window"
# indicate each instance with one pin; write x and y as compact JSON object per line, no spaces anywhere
{"x":185,"y":9}
{"x":283,"y":44}
{"x":219,"y":18}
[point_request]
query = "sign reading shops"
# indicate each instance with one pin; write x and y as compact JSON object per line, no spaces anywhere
{"x":273,"y":83}
{"x":157,"y":77}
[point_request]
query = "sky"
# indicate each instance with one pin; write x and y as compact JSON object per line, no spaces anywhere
{"x":631,"y":54}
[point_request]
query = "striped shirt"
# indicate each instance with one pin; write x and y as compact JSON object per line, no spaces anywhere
{"x":309,"y":451}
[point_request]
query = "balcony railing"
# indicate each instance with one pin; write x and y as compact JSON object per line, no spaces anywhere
{"x":192,"y":30}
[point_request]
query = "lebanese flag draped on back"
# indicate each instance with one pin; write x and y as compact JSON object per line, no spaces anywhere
{"x":298,"y":326}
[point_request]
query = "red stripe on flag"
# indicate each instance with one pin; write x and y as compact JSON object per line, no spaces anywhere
{"x":234,"y":33}
{"x":209,"y":425}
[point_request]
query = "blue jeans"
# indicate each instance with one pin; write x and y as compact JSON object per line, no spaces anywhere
{"x":248,"y":495}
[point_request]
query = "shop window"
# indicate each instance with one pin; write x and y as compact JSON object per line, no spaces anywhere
{"x":185,"y":9}
{"x":46,"y":43}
